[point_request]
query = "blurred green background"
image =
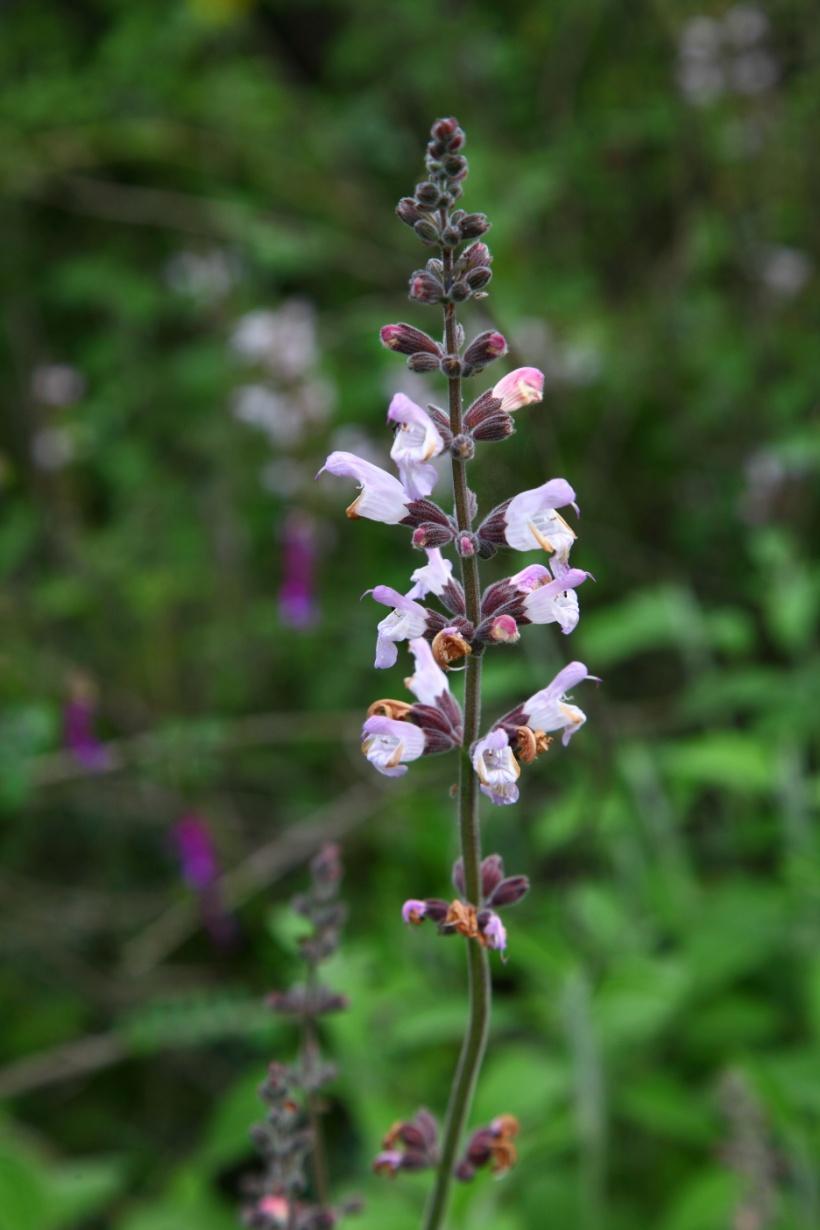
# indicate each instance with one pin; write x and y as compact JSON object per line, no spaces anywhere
{"x":199,"y":248}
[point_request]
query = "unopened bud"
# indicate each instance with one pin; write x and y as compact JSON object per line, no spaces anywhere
{"x":422,"y":362}
{"x":436,"y":267}
{"x":425,"y":288}
{"x":505,"y":630}
{"x":455,"y":166}
{"x":450,"y":365}
{"x":430,"y":534}
{"x":427,"y":194}
{"x":484,"y":348}
{"x":466,"y":544}
{"x":510,"y":890}
{"x":463,"y":448}
{"x":436,"y":909}
{"x":451,"y":236}
{"x":459,"y":291}
{"x":408,"y":210}
{"x":406,"y":339}
{"x":492,"y":873}
{"x":426,"y":230}
{"x":445,"y":128}
{"x":473,"y":225}
{"x":477,"y":254}
{"x":494,"y":428}
{"x":478,"y":278}
{"x":449,"y":646}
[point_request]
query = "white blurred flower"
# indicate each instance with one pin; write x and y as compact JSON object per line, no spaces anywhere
{"x":52,"y":448}
{"x":57,"y":384}
{"x":745,"y":25}
{"x":716,"y":56}
{"x":283,"y":340}
{"x":208,"y":276}
{"x":784,"y":271}
{"x":273,"y":413}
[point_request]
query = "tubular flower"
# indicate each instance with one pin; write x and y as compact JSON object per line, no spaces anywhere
{"x":494,"y":932}
{"x":382,"y":497}
{"x":549,"y":709}
{"x":417,"y":440}
{"x":557,"y":601}
{"x":405,"y":622}
{"x":497,"y":768}
{"x":429,"y":683}
{"x":519,"y":388}
{"x":529,"y":520}
{"x":390,"y":745}
{"x":433,"y":577}
{"x":413,"y":911}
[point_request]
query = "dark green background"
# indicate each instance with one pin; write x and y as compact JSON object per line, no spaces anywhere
{"x":657,"y":1025}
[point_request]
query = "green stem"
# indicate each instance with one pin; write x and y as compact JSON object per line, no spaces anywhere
{"x":475,"y":1039}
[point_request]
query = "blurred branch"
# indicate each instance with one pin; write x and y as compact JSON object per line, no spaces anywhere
{"x":75,"y":1058}
{"x":258,"y":871}
{"x":253,"y":731}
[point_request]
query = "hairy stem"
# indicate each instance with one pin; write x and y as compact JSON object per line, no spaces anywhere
{"x":310,"y":1044}
{"x":475,"y":1039}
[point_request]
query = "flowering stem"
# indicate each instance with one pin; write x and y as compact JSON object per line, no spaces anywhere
{"x":475,"y":1039}
{"x":310,"y":1045}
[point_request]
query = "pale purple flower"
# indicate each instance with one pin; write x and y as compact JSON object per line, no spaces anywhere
{"x":519,"y":388}
{"x":432,"y":577}
{"x":390,"y":745}
{"x":496,"y":768}
{"x":297,"y":606}
{"x":429,"y":681}
{"x":530,"y":519}
{"x":556,"y":602}
{"x":495,"y":933}
{"x":417,"y":440}
{"x":200,"y":870}
{"x":389,"y":1161}
{"x":413,"y":910}
{"x":57,"y":384}
{"x":549,"y":709}
{"x":530,"y":578}
{"x":406,"y":621}
{"x":79,"y":735}
{"x":382,"y":497}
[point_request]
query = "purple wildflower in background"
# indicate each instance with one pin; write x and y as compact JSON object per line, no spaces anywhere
{"x":297,"y":598}
{"x":79,"y":737}
{"x":200,"y":870}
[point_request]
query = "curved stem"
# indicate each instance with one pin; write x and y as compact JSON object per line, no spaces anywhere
{"x":475,"y":1039}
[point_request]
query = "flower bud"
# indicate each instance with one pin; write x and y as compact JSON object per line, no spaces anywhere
{"x":477,"y":254}
{"x":466,"y":544}
{"x":451,"y":236}
{"x":430,"y":534}
{"x":473,"y":225}
{"x":405,"y":339}
{"x":445,"y":128}
{"x":427,"y":231}
{"x":455,"y":166}
{"x":425,"y":288}
{"x":519,"y":388}
{"x":478,"y":278}
{"x":436,"y":909}
{"x":408,"y":210}
{"x":494,"y":428}
{"x":436,"y":267}
{"x":504,"y":629}
{"x":427,"y":195}
{"x":450,"y":365}
{"x":463,"y":448}
{"x":510,"y":890}
{"x":492,"y":873}
{"x":422,"y":362}
{"x":484,"y":348}
{"x":459,"y":291}
{"x":449,"y":646}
